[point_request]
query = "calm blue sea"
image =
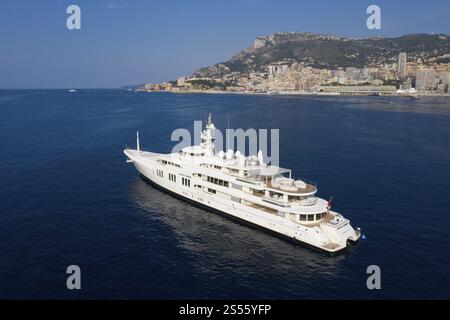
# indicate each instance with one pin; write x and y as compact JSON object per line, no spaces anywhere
{"x":67,"y":197}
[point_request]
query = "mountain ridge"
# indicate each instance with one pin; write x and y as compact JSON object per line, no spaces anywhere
{"x":328,"y":51}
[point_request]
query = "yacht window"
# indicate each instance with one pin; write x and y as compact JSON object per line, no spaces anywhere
{"x":318,"y":216}
{"x":186,"y":182}
{"x":218,"y":181}
{"x":303,"y":217}
{"x":310,"y":217}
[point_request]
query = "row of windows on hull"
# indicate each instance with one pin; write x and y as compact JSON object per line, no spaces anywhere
{"x":186,"y":182}
{"x":219,"y":182}
{"x":165,"y":162}
{"x":173,"y":178}
{"x":192,"y":154}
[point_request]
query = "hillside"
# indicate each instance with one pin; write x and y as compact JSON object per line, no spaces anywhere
{"x":327,"y":51}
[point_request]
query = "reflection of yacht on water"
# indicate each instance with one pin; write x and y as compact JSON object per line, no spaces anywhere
{"x":247,"y":189}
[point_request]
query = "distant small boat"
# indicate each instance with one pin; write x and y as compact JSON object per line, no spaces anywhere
{"x":72,"y":90}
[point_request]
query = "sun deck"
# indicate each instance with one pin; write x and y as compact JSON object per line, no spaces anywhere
{"x":308,"y":189}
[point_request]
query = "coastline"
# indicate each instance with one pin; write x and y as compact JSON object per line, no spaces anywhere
{"x":295,"y":93}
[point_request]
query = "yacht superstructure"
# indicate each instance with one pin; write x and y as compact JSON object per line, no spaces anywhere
{"x":247,"y":189}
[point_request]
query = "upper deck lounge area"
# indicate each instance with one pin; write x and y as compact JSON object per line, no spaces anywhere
{"x":292,"y":189}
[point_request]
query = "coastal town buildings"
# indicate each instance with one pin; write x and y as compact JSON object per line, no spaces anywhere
{"x":402,"y":76}
{"x":401,"y":65}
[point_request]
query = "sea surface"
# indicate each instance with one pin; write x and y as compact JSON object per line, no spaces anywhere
{"x":68,"y":197}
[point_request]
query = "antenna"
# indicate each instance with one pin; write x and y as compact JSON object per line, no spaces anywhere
{"x":138,"y":147}
{"x":228,"y":127}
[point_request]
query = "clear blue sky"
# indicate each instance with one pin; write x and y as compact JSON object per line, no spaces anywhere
{"x":136,"y":41}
